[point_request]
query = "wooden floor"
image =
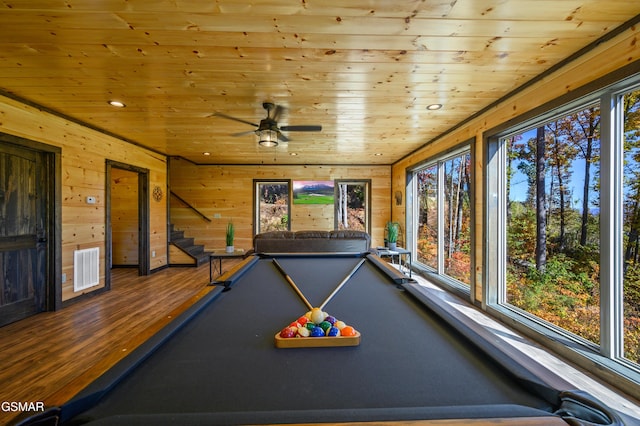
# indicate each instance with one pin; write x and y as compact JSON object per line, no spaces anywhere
{"x":51,"y":356}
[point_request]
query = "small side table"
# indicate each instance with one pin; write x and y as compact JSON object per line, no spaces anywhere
{"x":222,"y":254}
{"x":400,"y":252}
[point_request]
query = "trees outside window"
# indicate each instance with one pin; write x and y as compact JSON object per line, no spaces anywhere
{"x":631,"y":224}
{"x":443,"y":217}
{"x":272,"y":205}
{"x":553,"y":221}
{"x":352,"y":205}
{"x":568,"y":199}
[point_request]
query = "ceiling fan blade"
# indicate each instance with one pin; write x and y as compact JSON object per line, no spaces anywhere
{"x":278,"y":112}
{"x":309,"y":128}
{"x":282,"y":138}
{"x":248,"y":132}
{"x":228,"y":117}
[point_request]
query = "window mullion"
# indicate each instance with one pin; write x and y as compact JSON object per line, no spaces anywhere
{"x":441,"y":213}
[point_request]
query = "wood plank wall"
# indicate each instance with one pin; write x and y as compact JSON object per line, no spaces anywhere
{"x":124,"y":217}
{"x":607,"y":57}
{"x":227,"y":191}
{"x":83,"y":163}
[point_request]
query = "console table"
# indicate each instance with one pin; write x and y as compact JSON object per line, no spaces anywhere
{"x":400,"y":253}
{"x":222,"y":254}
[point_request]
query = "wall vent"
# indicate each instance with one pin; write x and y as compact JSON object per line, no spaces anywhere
{"x":86,"y":268}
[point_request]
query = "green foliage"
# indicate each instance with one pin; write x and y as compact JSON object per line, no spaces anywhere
{"x":565,"y":290}
{"x":304,"y":198}
{"x":521,"y":238}
{"x":230,"y":233}
{"x":563,"y":293}
{"x":393,"y":228}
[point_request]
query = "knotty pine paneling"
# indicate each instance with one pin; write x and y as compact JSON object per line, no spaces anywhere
{"x":604,"y":59}
{"x":84,"y":153}
{"x":227,"y":191}
{"x":124,"y":217}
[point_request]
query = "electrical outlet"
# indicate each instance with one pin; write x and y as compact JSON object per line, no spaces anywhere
{"x":217,"y":215}
{"x":64,"y":278}
{"x":153,"y":253}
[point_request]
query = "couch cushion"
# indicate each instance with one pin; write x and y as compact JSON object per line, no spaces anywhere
{"x":312,"y":241}
{"x":312,"y":234}
{"x":276,"y":235}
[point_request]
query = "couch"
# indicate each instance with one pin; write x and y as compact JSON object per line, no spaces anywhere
{"x":312,"y":241}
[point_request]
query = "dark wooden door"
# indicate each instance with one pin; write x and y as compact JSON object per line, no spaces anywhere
{"x":23,"y":241}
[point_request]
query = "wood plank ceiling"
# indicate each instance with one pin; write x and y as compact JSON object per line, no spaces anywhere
{"x":365,"y":70}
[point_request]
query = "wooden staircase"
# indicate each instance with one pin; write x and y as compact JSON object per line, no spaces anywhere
{"x":187,"y":253}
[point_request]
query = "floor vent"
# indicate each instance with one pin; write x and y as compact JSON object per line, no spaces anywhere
{"x":86,"y":268}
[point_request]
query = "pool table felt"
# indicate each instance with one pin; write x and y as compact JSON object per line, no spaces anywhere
{"x":226,"y":360}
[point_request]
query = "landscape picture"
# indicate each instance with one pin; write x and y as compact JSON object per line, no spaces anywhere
{"x":313,"y":192}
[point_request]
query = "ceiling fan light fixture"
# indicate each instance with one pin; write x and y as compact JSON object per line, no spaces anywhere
{"x":267,"y":137}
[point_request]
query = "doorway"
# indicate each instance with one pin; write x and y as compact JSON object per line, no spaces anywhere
{"x":28,"y":233}
{"x":127,"y":221}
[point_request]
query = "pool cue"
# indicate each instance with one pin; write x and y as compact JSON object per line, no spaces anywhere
{"x":292,"y":284}
{"x":344,"y":281}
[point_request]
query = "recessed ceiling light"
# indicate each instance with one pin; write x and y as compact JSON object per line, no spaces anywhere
{"x":378,"y":154}
{"x":293,"y":153}
{"x":206,"y":153}
{"x":117,"y":104}
{"x":434,"y":107}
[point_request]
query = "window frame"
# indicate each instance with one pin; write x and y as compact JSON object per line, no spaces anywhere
{"x":412,"y":212}
{"x":367,"y":210}
{"x":256,"y":201}
{"x":609,"y":353}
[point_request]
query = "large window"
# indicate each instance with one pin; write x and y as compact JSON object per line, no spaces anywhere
{"x":563,"y":225}
{"x":442,"y":216}
{"x":629,"y":105}
{"x":352,"y":205}
{"x":552,"y":221}
{"x":272,"y":205}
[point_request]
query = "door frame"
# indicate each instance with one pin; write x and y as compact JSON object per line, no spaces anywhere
{"x":144,"y":261}
{"x":52,"y":187}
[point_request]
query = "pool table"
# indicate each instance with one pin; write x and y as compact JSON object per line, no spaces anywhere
{"x":218,"y":364}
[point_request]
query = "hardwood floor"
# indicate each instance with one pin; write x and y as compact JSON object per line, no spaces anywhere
{"x":49,"y":357}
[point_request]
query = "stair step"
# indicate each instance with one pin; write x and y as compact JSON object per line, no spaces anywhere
{"x":194,"y":250}
{"x":176,"y":235}
{"x":186,"y":244}
{"x":183,"y":242}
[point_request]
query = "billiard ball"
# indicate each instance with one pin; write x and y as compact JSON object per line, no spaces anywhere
{"x":348,"y":331}
{"x":339,"y":325}
{"x":325,"y":325}
{"x":317,"y":316}
{"x":317,"y":332}
{"x":333,"y":332}
{"x":303,"y":331}
{"x":288,"y":332}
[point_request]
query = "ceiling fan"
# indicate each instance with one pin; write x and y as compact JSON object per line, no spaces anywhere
{"x":268,"y":131}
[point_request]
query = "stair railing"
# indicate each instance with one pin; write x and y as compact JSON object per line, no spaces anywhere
{"x":183,"y":201}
